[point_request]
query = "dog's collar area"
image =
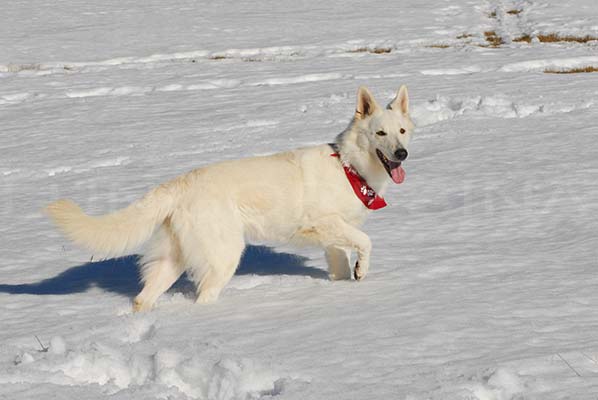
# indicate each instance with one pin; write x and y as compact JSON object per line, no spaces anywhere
{"x":363,"y":191}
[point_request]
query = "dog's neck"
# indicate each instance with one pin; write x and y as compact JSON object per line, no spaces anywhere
{"x":353,"y":148}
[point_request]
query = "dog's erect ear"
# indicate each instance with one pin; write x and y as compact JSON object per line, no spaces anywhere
{"x":401,"y":101}
{"x":366,"y":105}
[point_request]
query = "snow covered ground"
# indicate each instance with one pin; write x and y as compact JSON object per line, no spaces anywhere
{"x":484,"y":271}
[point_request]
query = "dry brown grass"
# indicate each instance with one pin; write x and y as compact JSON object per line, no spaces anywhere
{"x":375,"y":50}
{"x":493,"y":39}
{"x":439,"y":46}
{"x":514,"y":12}
{"x":218,"y":57}
{"x":359,"y":50}
{"x":556,"y":38}
{"x":580,"y":70}
{"x":523,"y":38}
{"x":464,"y":36}
{"x":381,"y":50}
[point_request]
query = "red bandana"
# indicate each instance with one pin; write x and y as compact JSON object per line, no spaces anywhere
{"x":363,"y":191}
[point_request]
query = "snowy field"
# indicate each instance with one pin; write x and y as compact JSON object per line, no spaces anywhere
{"x":484,"y":276}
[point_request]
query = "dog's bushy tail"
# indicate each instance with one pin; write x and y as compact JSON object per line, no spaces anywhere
{"x":120,"y":232}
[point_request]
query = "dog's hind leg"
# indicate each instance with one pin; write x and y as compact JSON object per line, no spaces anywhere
{"x":339,"y":266}
{"x":222,"y":266}
{"x":214,"y":281}
{"x":212,"y":250}
{"x":161,"y":267}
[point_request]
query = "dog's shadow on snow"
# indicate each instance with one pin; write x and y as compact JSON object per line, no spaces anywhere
{"x":121,"y":275}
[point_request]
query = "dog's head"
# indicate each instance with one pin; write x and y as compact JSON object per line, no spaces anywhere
{"x":387,"y":130}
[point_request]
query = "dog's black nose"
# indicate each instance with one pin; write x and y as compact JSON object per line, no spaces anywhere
{"x":401,"y":154}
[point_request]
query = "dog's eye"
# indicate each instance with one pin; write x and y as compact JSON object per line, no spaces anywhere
{"x":402,"y":131}
{"x":381,"y":133}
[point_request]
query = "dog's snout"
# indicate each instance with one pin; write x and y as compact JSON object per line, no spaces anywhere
{"x":401,"y":154}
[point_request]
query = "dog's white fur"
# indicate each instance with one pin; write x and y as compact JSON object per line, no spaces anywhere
{"x":201,"y":221}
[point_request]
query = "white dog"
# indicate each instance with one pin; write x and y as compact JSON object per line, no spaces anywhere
{"x":201,"y":221}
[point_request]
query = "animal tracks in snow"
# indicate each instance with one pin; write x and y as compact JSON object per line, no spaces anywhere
{"x":139,"y":329}
{"x":202,"y":372}
{"x":167,"y":373}
{"x":512,"y":380}
{"x":445,"y":108}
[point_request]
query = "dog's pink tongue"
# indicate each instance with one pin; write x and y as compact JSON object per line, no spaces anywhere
{"x":397,"y":174}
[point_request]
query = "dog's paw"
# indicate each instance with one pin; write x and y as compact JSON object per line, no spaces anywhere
{"x":139,"y":305}
{"x":207,"y":296}
{"x":359,"y":272}
{"x":340,"y":275}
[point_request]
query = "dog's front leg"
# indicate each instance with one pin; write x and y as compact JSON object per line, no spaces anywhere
{"x":339,"y":266}
{"x":334,"y":232}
